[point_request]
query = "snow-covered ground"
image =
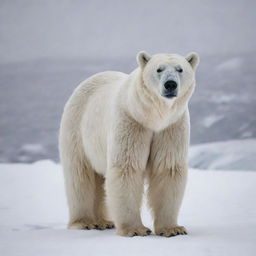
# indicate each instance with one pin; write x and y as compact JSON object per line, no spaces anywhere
{"x":219,"y":212}
{"x":224,"y":155}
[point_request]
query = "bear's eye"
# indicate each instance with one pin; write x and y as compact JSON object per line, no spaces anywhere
{"x":179,"y":69}
{"x":159,"y":70}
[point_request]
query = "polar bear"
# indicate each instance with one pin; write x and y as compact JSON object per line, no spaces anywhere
{"x":118,"y":130}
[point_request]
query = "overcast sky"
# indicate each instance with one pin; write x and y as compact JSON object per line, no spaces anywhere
{"x":69,"y":29}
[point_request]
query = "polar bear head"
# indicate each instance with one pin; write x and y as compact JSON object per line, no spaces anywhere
{"x":168,"y":75}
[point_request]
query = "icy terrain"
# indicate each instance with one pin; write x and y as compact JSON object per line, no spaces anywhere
{"x":219,"y":212}
{"x":227,"y":155}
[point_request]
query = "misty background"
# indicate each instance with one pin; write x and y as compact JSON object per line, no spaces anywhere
{"x":48,"y":47}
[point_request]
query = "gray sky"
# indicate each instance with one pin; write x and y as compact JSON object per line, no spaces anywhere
{"x":70,"y":29}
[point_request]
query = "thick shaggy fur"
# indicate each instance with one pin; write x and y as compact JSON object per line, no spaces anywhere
{"x":118,"y":130}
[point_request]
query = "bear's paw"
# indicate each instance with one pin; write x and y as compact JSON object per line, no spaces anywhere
{"x":134,"y":231}
{"x":172,"y":231}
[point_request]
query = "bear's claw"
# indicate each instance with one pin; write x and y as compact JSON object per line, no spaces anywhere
{"x":148,"y":232}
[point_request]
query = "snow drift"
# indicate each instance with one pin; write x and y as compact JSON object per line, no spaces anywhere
{"x":227,"y":155}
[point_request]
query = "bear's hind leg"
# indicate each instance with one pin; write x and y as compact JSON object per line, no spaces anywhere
{"x":86,"y":198}
{"x":80,"y":191}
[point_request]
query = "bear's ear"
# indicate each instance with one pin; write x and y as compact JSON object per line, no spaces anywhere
{"x":193,"y":59}
{"x":143,"y":58}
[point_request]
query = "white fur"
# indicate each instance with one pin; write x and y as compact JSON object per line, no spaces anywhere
{"x":117,"y":130}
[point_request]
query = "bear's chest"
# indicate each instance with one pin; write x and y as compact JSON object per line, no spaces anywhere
{"x":169,"y":148}
{"x":162,"y":153}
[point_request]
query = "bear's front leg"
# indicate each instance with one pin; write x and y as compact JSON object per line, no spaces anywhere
{"x":165,"y":194}
{"x":124,"y":195}
{"x":167,"y":175}
{"x":129,"y":147}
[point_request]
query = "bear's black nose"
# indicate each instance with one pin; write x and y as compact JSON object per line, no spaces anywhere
{"x":170,"y":85}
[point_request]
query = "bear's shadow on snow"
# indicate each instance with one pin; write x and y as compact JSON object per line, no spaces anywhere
{"x":37,"y":227}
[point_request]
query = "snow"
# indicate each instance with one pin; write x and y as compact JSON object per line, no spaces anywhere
{"x":222,"y":98}
{"x":29,"y":150}
{"x":210,"y":120}
{"x":218,"y":210}
{"x":226,"y":155}
{"x":230,"y":65}
{"x":33,"y":148}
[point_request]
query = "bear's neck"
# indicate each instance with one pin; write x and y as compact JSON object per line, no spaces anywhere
{"x":151,"y":110}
